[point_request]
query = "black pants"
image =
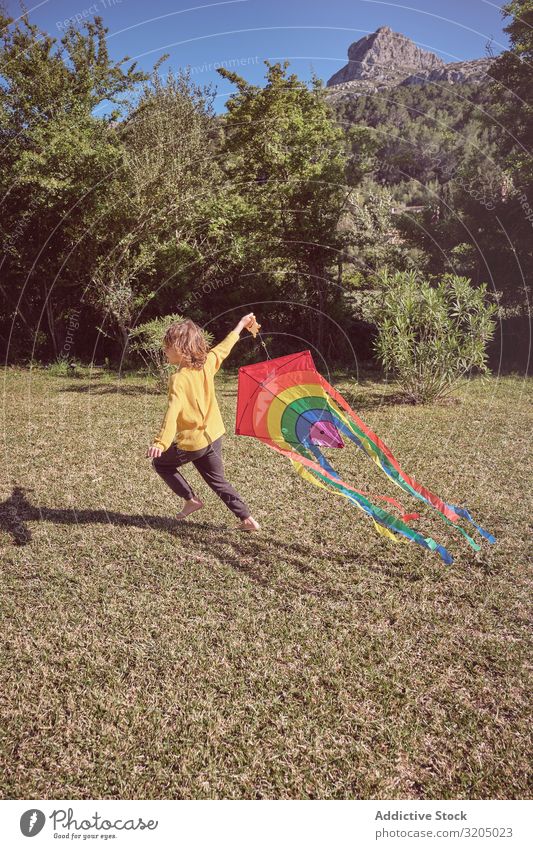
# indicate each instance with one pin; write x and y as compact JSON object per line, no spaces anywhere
{"x":208,"y":461}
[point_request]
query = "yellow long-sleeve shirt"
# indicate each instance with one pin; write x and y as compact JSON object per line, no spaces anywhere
{"x":193,"y":413}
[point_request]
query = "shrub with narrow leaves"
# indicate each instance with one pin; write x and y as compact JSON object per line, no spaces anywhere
{"x":431,"y":333}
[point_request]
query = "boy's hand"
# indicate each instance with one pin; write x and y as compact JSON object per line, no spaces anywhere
{"x":154,"y":452}
{"x":246,"y":320}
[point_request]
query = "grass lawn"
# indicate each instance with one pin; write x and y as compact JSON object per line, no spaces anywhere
{"x":143,"y":658}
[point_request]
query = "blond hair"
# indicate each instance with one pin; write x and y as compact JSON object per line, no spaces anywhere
{"x":189,"y":340}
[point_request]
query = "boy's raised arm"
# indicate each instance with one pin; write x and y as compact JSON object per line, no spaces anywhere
{"x":221,"y":351}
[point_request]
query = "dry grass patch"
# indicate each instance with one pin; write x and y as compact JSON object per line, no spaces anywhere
{"x":147,"y":659}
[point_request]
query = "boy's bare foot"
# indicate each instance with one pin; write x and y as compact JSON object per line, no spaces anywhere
{"x":249,"y":524}
{"x":190,"y":506}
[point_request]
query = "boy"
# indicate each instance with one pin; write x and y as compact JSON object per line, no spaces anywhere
{"x":194,"y":414}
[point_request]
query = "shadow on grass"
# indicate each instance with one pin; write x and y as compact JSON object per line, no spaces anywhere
{"x":250,"y":555}
{"x":364,"y":400}
{"x":377,"y":399}
{"x":111,"y":388}
{"x":370,"y":400}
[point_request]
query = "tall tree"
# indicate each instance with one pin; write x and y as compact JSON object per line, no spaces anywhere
{"x":169,"y":172}
{"x":286,"y":162}
{"x":484,"y":215}
{"x":513,"y":71}
{"x":57,"y":160}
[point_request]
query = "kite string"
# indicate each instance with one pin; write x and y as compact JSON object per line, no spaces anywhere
{"x":263,"y":344}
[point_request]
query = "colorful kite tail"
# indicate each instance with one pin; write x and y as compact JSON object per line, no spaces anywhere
{"x":375,"y":448}
{"x":385,"y":523}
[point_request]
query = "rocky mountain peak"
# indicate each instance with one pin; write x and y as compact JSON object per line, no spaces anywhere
{"x":385,"y":56}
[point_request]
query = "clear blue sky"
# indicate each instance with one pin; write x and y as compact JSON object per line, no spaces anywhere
{"x":313,"y":35}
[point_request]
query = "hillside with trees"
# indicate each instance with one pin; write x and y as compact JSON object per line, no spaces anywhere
{"x":293,"y":201}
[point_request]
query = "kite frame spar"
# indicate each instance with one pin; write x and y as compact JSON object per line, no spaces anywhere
{"x":287,"y":397}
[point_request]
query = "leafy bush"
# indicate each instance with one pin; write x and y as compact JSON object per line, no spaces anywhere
{"x":430,"y":334}
{"x":62,"y":367}
{"x":149,"y":341}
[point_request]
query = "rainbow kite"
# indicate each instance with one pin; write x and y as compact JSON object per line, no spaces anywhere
{"x":289,"y":406}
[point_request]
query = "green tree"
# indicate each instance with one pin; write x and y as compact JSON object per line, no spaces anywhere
{"x":285,"y":160}
{"x":156,"y":211}
{"x":57,"y":161}
{"x":483,"y":209}
{"x":513,"y":71}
